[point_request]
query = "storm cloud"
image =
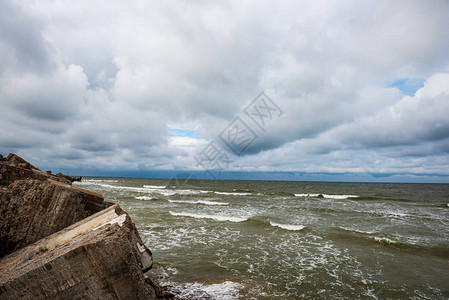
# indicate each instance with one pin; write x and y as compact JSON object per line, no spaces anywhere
{"x":143,"y":86}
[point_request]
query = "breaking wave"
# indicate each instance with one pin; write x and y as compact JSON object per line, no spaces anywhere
{"x":205,"y":202}
{"x":328,"y":196}
{"x":212,"y":217}
{"x":288,"y":226}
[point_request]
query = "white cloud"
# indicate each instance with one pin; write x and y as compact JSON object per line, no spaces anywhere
{"x":101,"y":83}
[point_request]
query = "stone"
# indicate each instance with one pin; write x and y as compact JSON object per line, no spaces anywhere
{"x":32,"y":209}
{"x":58,"y":241}
{"x":14,"y":167}
{"x":100,"y":257}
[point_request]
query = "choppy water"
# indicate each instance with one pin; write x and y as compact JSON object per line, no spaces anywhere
{"x":290,"y":240}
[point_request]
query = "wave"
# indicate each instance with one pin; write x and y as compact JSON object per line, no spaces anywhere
{"x":212,"y":217}
{"x":205,"y":202}
{"x":228,"y":290}
{"x":384,"y":240}
{"x":99,"y":180}
{"x":356,"y":230}
{"x":154,"y":186}
{"x":279,"y":194}
{"x":264,"y":222}
{"x":398,"y":242}
{"x":328,"y":196}
{"x":148,"y":189}
{"x":396,"y":214}
{"x":233,"y":193}
{"x":243,"y":191}
{"x":84,"y":183}
{"x":288,"y":226}
{"x":149,"y":198}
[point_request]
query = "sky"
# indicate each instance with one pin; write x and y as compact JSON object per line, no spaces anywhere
{"x":282,"y":90}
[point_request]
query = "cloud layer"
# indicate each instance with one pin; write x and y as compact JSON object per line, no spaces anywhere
{"x":364,"y":87}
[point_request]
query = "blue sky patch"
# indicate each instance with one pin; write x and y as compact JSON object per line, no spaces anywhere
{"x":408,"y":86}
{"x":183,"y":132}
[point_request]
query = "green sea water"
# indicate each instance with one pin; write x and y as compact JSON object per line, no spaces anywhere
{"x":290,"y":240}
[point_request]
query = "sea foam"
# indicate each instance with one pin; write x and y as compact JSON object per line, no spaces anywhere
{"x":154,"y":186}
{"x":213,"y":217}
{"x":288,"y":226}
{"x":233,"y":193}
{"x":227,"y":290}
{"x":205,"y":202}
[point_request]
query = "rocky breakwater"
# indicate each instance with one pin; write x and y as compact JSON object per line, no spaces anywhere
{"x":62,"y":242}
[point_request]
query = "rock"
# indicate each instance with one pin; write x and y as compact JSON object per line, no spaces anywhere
{"x":32,"y":209}
{"x":14,"y":167}
{"x":17,"y":160}
{"x":55,"y":243}
{"x":100,"y":257}
{"x":69,"y":178}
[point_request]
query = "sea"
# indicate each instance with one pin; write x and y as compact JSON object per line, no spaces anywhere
{"x":290,"y":240}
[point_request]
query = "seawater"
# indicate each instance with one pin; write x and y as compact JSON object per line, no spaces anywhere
{"x":290,"y":240}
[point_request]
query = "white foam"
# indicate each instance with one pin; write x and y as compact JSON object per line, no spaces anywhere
{"x":397,"y":214}
{"x":205,"y":202}
{"x":148,"y":189}
{"x":144,"y":198}
{"x":384,"y":240}
{"x":233,"y":193}
{"x":227,"y":290}
{"x":212,"y":202}
{"x":306,"y":195}
{"x":357,"y":230}
{"x":340,"y":196}
{"x":125,"y":188}
{"x":328,"y":196}
{"x":154,"y":186}
{"x":213,"y":217}
{"x":99,"y":180}
{"x":288,"y":226}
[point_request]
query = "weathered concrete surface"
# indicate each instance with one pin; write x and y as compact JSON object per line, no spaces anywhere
{"x":100,"y":257}
{"x":35,"y":204}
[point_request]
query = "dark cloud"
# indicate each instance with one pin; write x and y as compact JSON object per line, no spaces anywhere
{"x":103,"y":83}
{"x":22,"y":40}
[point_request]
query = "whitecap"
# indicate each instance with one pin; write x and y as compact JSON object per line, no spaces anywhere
{"x":233,"y":193}
{"x":384,"y":240}
{"x":357,"y":230}
{"x":146,"y":189}
{"x":288,"y":226}
{"x":212,"y":202}
{"x":205,"y":202}
{"x":95,"y":181}
{"x":213,"y":217}
{"x":397,"y":214}
{"x":143,"y":198}
{"x":328,"y":196}
{"x":339,"y":197}
{"x":154,"y":186}
{"x":306,"y":195}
